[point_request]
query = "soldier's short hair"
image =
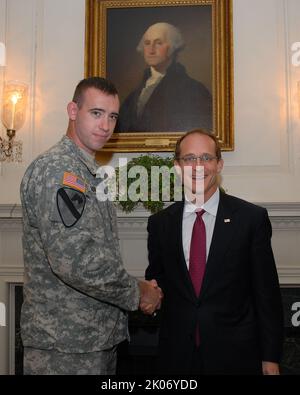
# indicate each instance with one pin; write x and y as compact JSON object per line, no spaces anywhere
{"x":102,"y":84}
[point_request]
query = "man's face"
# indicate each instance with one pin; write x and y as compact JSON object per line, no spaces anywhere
{"x":95,"y":119}
{"x":157,"y":48}
{"x":196,"y":145}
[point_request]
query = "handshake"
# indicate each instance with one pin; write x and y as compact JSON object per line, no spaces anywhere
{"x":150,"y":296}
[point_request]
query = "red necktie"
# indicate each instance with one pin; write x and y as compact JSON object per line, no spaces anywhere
{"x":198,"y":258}
{"x":198,"y":252}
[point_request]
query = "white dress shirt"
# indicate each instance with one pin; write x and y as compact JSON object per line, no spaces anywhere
{"x":189,"y":217}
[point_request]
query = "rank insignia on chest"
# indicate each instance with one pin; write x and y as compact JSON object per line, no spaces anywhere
{"x":72,"y":181}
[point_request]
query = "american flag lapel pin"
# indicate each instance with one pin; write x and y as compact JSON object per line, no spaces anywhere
{"x":227,"y":220}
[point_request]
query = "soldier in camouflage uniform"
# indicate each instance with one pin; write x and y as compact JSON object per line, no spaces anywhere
{"x":76,"y":290}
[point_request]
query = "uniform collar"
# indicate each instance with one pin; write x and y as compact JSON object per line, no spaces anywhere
{"x":88,"y":160}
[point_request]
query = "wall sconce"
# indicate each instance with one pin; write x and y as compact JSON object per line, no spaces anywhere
{"x":298,"y":97}
{"x":2,"y":54}
{"x":14,"y":103}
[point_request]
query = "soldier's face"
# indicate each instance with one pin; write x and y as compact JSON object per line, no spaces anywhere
{"x":95,"y":119}
{"x":157,"y":49}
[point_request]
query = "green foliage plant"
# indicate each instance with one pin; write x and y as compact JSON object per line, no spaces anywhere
{"x":147,"y":162}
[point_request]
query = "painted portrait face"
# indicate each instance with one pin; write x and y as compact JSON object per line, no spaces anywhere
{"x":157,"y":49}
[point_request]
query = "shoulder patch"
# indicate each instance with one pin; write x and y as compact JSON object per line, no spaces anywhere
{"x":70,"y":205}
{"x":72,"y":181}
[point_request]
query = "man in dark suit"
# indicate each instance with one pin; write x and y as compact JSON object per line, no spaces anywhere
{"x":155,"y":105}
{"x":234,"y":323}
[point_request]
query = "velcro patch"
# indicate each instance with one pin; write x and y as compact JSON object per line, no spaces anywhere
{"x":71,"y":180}
{"x":70,"y":205}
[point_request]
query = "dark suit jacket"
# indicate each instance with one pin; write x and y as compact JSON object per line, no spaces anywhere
{"x":178,"y":103}
{"x":239,"y":309}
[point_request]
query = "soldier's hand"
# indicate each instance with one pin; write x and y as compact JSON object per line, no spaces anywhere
{"x":270,"y":368}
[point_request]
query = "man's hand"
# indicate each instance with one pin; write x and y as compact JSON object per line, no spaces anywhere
{"x":270,"y":368}
{"x":150,"y":296}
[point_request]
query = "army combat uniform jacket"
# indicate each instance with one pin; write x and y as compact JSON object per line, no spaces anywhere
{"x":76,"y":290}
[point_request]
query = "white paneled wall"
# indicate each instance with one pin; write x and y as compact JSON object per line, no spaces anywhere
{"x":45,"y":48}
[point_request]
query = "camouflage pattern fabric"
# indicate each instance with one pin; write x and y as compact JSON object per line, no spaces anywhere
{"x":76,"y":290}
{"x":52,"y":362}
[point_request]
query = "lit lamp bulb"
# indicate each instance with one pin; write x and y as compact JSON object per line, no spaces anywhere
{"x":14,"y":106}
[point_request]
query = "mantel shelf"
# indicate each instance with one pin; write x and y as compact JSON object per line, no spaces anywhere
{"x":275,"y":209}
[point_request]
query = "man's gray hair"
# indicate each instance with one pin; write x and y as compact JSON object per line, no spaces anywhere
{"x":173,"y":35}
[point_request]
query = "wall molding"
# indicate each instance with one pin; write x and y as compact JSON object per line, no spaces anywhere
{"x":284,"y":216}
{"x":10,"y":271}
{"x":10,"y":211}
{"x":289,"y":275}
{"x":275,"y":209}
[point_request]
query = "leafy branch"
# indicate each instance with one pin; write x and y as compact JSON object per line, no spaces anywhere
{"x":148,"y":162}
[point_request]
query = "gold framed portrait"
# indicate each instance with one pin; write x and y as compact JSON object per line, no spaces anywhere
{"x":172,"y":63}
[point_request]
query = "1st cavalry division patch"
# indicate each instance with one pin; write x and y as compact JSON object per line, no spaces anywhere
{"x":70,"y":205}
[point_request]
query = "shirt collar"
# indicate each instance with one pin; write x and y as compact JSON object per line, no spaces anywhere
{"x":156,"y":74}
{"x":154,"y":78}
{"x":211,"y":206}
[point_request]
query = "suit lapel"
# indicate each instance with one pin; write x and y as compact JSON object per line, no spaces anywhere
{"x":222,"y":237}
{"x":175,"y":222}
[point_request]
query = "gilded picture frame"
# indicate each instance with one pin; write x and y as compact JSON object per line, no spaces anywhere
{"x":113,"y":29}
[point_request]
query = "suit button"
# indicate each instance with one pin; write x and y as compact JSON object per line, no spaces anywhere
{"x":199,"y":303}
